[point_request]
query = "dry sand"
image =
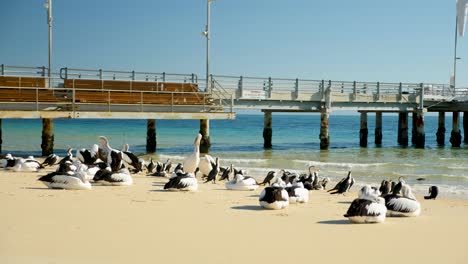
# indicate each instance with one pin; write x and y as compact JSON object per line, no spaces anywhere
{"x":143,"y":224}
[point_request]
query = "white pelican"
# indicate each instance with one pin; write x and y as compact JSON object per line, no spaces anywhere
{"x":274,"y":197}
{"x":88,"y":156}
{"x":65,"y":178}
{"x":108,"y":177}
{"x":297,"y":193}
{"x":205,"y":165}
{"x":191,"y":162}
{"x":242,"y":183}
{"x":405,"y":205}
{"x":368,"y":207}
{"x":182,"y":182}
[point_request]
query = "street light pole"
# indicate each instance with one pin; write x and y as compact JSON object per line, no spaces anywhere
{"x":207,"y":35}
{"x":455,"y":58}
{"x":48,"y":5}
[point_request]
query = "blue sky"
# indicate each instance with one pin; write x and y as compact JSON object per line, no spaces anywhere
{"x":363,"y":40}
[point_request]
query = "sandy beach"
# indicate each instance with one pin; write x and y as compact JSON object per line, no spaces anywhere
{"x":142,"y":224}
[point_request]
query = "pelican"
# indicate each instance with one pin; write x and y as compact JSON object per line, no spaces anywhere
{"x":368,"y":207}
{"x":205,"y":165}
{"x":297,"y":193}
{"x":65,"y":178}
{"x":7,"y":161}
{"x":404,"y":205}
{"x":68,"y":157}
{"x":191,"y":162}
{"x":50,"y":160}
{"x":28,"y":164}
{"x":182,"y":182}
{"x":242,"y":183}
{"x":105,"y":150}
{"x":121,"y":177}
{"x":88,"y":156}
{"x":132,"y":159}
{"x":274,"y":197}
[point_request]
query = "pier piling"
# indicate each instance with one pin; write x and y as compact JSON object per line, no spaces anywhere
{"x":47,"y":144}
{"x":403,"y":129}
{"x":151,"y":136}
{"x":455,"y":137}
{"x":363,"y":132}
{"x":440,"y":135}
{"x":419,"y":137}
{"x":205,"y":143}
{"x":378,"y":128}
{"x":267,"y":130}
{"x":324,"y":129}
{"x":465,"y":128}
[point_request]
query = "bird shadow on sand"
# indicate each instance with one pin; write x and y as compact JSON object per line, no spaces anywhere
{"x":334,"y":222}
{"x":344,"y":202}
{"x":160,"y":190}
{"x":248,"y":207}
{"x":38,"y":188}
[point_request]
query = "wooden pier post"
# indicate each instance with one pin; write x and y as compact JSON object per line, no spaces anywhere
{"x":205,"y":143}
{"x":413,"y":128}
{"x":455,"y":137}
{"x":378,"y":128}
{"x":324,"y":129}
{"x":363,"y":132}
{"x":465,"y":128}
{"x":151,"y":136}
{"x":403,"y":128}
{"x":419,"y":137}
{"x":267,"y":130}
{"x":47,"y":144}
{"x":440,"y":135}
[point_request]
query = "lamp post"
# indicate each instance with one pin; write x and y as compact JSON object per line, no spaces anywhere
{"x":206,"y":33}
{"x":48,"y":5}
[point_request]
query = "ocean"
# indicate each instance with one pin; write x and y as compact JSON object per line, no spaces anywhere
{"x":295,"y":146}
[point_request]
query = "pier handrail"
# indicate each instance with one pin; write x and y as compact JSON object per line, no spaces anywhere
{"x":105,"y":74}
{"x":11,"y":70}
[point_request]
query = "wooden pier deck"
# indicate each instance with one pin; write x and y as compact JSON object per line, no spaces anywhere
{"x":85,"y":93}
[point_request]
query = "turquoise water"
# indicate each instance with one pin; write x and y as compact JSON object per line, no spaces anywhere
{"x":295,"y":146}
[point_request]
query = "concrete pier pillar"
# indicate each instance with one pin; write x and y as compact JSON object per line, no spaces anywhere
{"x":419,"y":136}
{"x":47,"y":144}
{"x":205,"y":143}
{"x":151,"y":136}
{"x":267,"y":130}
{"x":440,"y":135}
{"x":455,"y":137}
{"x":363,"y":131}
{"x":465,"y":128}
{"x":324,"y":129}
{"x":403,"y":129}
{"x":378,"y":128}
{"x":413,"y":128}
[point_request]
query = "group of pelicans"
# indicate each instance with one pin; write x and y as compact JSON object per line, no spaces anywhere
{"x":110,"y":166}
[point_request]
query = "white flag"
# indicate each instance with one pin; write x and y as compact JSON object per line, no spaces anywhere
{"x":462,"y":11}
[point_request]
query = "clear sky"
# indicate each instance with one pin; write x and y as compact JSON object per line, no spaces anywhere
{"x":363,"y":40}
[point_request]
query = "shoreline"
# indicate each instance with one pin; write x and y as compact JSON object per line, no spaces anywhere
{"x":119,"y":224}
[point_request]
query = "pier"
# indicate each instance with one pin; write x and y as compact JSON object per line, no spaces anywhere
{"x":27,"y":92}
